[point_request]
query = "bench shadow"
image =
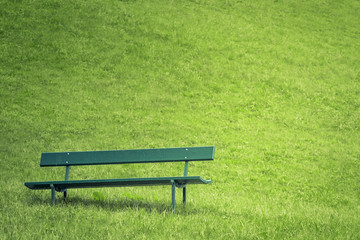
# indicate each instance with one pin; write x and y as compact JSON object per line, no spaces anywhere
{"x":121,"y":204}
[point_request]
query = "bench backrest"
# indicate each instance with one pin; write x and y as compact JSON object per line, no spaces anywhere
{"x":127,"y":156}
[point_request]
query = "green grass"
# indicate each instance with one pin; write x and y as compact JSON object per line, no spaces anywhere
{"x":274,"y":85}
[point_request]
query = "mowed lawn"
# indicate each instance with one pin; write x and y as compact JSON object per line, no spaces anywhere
{"x":273,"y":85}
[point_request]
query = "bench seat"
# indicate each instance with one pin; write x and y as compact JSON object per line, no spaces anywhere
{"x":122,"y":182}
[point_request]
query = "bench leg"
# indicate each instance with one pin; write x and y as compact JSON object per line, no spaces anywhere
{"x":52,"y":194}
{"x":173,"y":197}
{"x":66,"y":178}
{"x":184,"y":195}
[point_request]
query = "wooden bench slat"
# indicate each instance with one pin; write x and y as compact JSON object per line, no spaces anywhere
{"x":124,"y":182}
{"x":127,"y":156}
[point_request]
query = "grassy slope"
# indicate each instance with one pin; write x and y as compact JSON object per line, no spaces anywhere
{"x":273,"y":85}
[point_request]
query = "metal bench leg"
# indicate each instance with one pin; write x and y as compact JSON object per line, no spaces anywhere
{"x":66,"y":178}
{"x":173,"y":196}
{"x":52,"y":193}
{"x":184,"y":195}
{"x":185,"y":174}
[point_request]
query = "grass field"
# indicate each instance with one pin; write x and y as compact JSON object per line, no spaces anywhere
{"x":273,"y":85}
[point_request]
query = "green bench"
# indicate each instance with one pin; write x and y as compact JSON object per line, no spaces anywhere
{"x":69,"y":159}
